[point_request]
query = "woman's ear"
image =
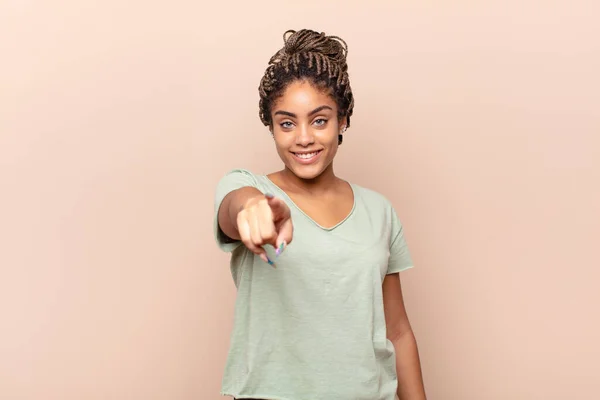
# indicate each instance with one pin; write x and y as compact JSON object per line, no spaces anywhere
{"x":343,"y":128}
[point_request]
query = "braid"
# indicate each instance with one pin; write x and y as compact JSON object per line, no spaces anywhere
{"x":307,"y":54}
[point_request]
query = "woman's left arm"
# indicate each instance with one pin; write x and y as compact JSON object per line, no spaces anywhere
{"x":399,"y":332}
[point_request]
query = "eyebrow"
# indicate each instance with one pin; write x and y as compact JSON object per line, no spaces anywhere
{"x":316,"y":110}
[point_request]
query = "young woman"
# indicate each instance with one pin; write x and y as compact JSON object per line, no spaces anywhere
{"x":315,"y":259}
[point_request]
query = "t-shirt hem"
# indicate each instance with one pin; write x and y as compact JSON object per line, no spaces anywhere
{"x":398,"y":270}
{"x":253,"y":396}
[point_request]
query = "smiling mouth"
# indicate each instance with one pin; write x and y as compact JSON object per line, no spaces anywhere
{"x":306,"y":155}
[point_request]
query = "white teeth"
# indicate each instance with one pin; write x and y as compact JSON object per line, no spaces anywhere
{"x":306,"y":155}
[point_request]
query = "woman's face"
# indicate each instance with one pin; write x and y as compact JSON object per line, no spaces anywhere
{"x":306,"y":129}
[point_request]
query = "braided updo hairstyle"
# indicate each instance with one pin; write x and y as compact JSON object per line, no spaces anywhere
{"x":312,"y":56}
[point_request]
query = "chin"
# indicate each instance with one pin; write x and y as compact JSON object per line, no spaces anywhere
{"x":306,"y":175}
{"x":307,"y":172}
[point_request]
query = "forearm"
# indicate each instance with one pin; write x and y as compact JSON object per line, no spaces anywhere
{"x":408,"y":366}
{"x":231,"y":206}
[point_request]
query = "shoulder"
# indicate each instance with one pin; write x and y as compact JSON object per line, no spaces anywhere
{"x":372,"y":198}
{"x":378,"y":204}
{"x":239,"y":172}
{"x":381,"y":209}
{"x":239,"y":176}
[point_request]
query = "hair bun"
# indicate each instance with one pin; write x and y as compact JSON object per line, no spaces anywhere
{"x":309,"y":41}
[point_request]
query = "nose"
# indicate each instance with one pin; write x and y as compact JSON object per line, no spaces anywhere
{"x":304,"y":136}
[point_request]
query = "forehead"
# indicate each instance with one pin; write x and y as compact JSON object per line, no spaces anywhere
{"x":302,"y":96}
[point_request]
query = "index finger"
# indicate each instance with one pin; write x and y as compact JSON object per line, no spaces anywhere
{"x":278,"y":206}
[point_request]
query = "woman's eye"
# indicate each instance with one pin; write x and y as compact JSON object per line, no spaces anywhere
{"x":286,"y":125}
{"x":320,"y":122}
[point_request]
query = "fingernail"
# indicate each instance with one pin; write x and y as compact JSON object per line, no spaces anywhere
{"x":281,"y":248}
{"x":266,"y":259}
{"x":269,"y":195}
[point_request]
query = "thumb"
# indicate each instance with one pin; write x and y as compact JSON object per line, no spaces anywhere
{"x":283,"y":222}
{"x":285,"y":233}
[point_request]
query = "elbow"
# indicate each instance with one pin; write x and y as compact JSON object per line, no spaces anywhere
{"x":398,"y":332}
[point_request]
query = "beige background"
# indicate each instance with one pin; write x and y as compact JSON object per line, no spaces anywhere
{"x":480,"y":122}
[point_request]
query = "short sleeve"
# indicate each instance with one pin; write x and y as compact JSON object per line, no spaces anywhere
{"x":233,"y":180}
{"x":400,"y":259}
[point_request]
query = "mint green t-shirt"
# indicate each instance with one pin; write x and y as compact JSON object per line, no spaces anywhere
{"x":313,"y":328}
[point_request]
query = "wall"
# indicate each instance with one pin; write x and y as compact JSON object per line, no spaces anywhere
{"x":480,"y":122}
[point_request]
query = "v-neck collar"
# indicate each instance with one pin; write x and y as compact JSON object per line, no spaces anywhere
{"x":354,"y":200}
